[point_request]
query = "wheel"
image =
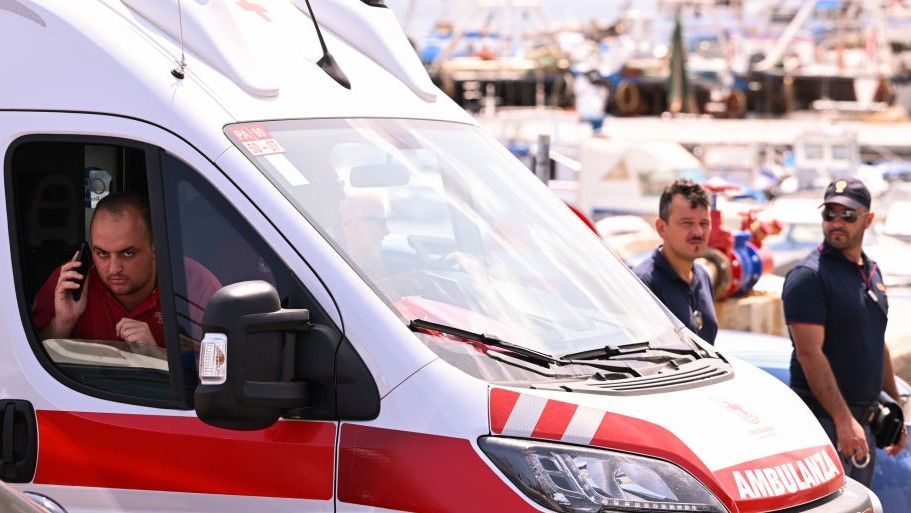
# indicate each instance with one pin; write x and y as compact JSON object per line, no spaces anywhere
{"x":451,"y":261}
{"x":628,"y":98}
{"x":722,"y":272}
{"x":735,"y":104}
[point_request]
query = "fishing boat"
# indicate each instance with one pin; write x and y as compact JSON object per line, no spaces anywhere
{"x":504,"y":48}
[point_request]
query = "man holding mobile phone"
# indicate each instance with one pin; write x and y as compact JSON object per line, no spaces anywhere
{"x":119,"y":299}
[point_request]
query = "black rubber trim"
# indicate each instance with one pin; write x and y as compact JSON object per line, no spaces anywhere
{"x":155,"y":184}
{"x":690,"y":375}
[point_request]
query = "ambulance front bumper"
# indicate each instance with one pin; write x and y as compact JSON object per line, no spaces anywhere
{"x":853,"y":498}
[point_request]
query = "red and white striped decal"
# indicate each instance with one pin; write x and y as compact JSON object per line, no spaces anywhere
{"x":531,"y":416}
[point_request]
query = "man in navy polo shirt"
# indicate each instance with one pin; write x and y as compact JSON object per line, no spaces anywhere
{"x":836,"y":308}
{"x":670,"y":271}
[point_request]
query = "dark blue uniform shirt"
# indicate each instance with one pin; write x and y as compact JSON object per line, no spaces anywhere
{"x":849,"y":301}
{"x":690,"y":302}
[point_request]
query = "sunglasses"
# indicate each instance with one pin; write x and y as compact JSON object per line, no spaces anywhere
{"x":848,"y":216}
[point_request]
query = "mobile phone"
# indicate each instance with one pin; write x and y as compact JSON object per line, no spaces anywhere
{"x":85,"y":261}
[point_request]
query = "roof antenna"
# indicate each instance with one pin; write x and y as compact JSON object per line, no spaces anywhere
{"x":326,"y":62}
{"x":178,"y":72}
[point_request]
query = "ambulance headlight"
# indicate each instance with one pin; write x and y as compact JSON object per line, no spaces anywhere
{"x":575,"y":479}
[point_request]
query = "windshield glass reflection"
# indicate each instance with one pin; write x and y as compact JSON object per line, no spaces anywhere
{"x":448,"y":227}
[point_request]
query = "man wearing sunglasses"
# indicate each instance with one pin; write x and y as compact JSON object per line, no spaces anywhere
{"x":836,"y":308}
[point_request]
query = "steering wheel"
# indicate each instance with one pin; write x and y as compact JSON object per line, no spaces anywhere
{"x":452,"y":261}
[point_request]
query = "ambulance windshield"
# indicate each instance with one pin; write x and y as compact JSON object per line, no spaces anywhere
{"x":448,"y":227}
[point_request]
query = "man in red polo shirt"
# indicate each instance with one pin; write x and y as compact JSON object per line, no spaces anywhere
{"x":120,"y":301}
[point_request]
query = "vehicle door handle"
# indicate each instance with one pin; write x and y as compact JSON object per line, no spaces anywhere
{"x":9,"y":415}
{"x":18,"y":441}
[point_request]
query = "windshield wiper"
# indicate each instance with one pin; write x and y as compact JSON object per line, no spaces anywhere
{"x":611,"y":351}
{"x":489,"y":340}
{"x":608,"y":351}
{"x":519,"y":351}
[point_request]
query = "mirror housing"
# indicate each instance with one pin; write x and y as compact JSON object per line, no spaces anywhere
{"x":259,"y":362}
{"x":255,"y":357}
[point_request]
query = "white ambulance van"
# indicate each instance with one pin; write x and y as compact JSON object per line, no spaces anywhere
{"x":362,"y":301}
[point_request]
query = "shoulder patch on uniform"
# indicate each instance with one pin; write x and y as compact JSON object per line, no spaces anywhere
{"x":881,"y":286}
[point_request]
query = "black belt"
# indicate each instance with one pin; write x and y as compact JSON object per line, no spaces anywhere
{"x":861,"y":413}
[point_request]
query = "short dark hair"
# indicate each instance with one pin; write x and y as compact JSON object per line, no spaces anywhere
{"x":690,"y":190}
{"x":117,"y":202}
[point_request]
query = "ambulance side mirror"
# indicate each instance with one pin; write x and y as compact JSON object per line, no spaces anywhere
{"x":245,"y":380}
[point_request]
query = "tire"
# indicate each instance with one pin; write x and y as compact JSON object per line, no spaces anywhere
{"x":723,"y":275}
{"x":628,"y":98}
{"x":884,"y":92}
{"x":735,"y":105}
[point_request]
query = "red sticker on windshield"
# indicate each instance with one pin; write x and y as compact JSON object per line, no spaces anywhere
{"x":256,"y":139}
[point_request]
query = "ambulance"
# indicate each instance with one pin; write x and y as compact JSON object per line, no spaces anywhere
{"x":366,"y":303}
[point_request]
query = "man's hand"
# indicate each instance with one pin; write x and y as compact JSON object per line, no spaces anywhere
{"x":896,"y":448}
{"x":851,"y":439}
{"x":66,"y":310}
{"x":808,"y":340}
{"x":131,"y":330}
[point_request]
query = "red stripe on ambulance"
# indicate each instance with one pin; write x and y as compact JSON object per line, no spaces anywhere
{"x":417,"y":472}
{"x":554,"y":420}
{"x":502,"y":402}
{"x":181,"y":454}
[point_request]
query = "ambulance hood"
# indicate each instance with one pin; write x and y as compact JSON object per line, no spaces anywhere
{"x":749,"y":440}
